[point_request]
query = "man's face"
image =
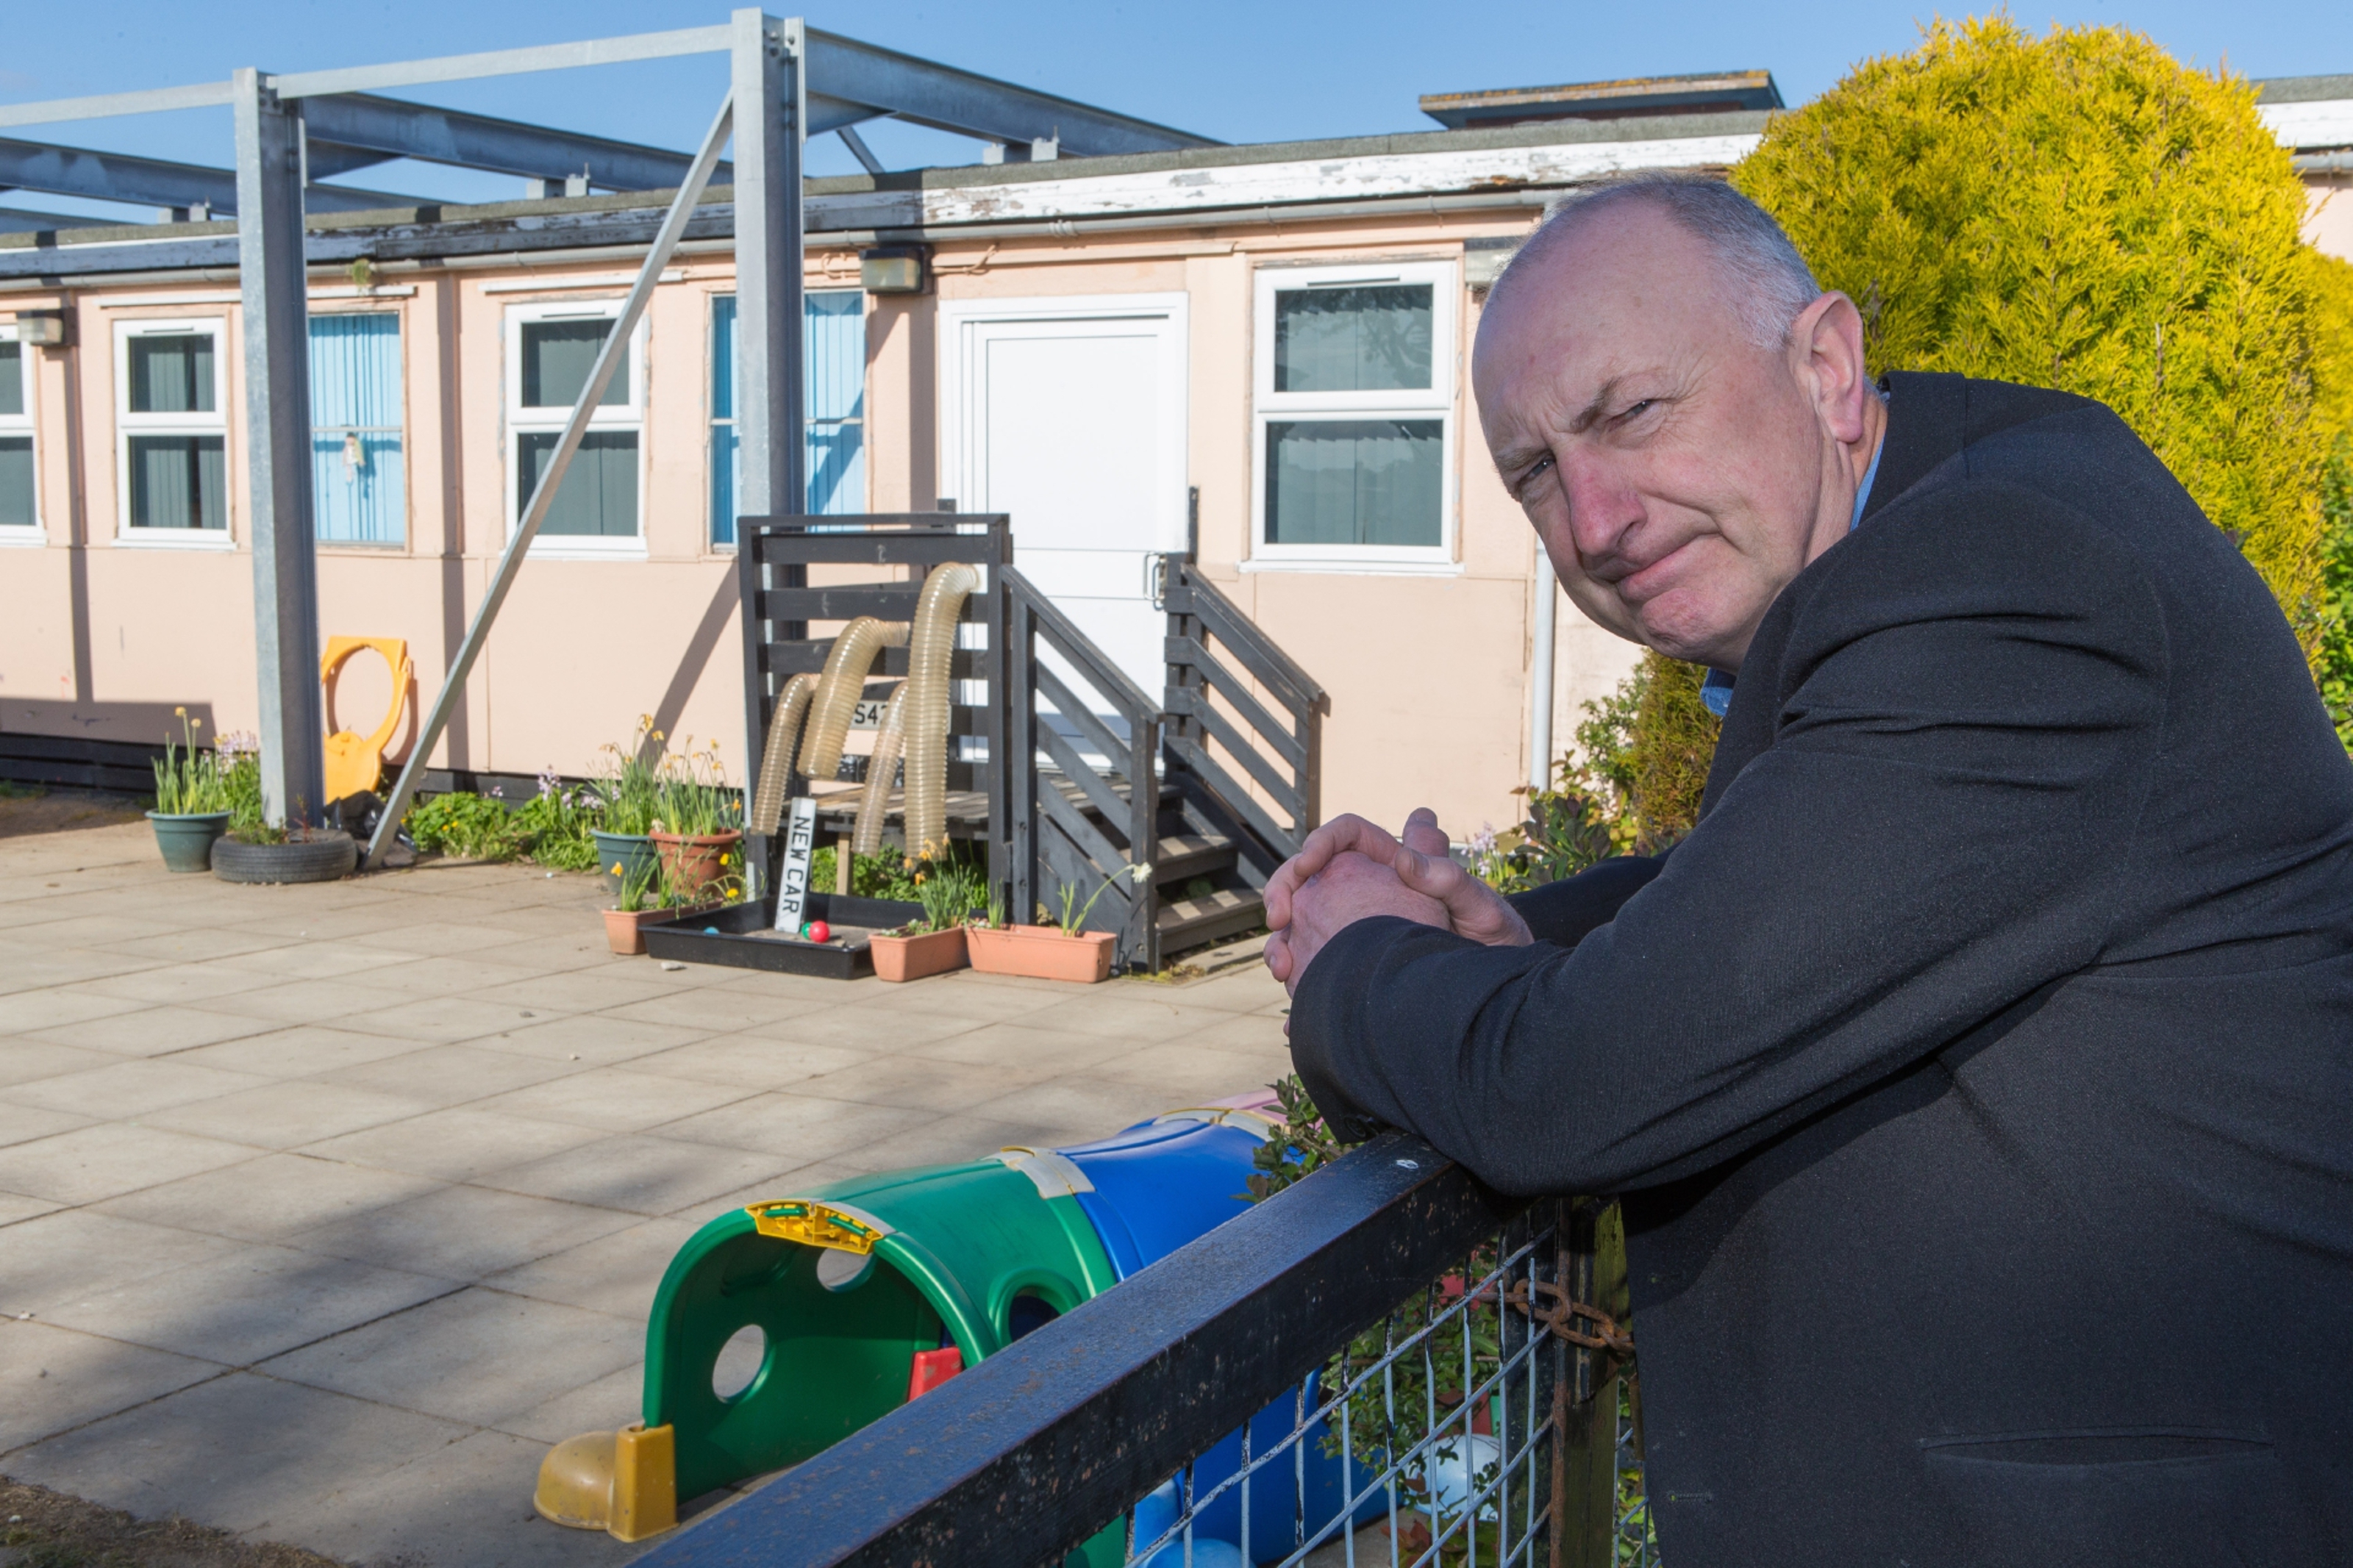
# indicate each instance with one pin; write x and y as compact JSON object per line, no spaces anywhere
{"x":1675,"y":473}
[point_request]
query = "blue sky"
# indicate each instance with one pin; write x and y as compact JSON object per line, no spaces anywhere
{"x":1236,"y":71}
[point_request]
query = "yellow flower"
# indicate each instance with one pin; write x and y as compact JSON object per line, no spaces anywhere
{"x":182,"y":712}
{"x":616,"y":868}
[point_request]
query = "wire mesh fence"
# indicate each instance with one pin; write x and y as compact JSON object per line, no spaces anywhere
{"x":1440,"y":1436}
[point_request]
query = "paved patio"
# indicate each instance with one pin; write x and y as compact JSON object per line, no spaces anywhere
{"x":324,"y":1210}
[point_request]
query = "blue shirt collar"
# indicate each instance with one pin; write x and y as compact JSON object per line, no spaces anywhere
{"x":1715,"y":692}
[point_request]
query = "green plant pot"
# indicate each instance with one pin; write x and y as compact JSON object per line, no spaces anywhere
{"x":632,"y":852}
{"x":186,"y":840}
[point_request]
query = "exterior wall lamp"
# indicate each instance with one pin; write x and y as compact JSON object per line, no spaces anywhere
{"x":895,"y":270}
{"x":44,"y":329}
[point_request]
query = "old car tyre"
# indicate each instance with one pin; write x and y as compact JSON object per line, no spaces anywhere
{"x":321,"y":855}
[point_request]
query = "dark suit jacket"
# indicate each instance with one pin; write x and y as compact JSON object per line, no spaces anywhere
{"x":1979,"y":1074}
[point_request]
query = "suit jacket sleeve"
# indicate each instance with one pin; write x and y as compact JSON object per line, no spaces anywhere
{"x":1966,"y":696}
{"x":1566,"y":913}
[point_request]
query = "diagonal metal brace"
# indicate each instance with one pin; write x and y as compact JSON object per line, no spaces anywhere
{"x":550,"y":478}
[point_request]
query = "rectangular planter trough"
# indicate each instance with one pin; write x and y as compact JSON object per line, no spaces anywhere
{"x":742,"y":935}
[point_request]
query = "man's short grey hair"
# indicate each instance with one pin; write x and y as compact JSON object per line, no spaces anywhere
{"x":1771,"y":283}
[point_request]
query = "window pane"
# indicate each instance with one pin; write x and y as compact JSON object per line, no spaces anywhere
{"x":178,"y":481}
{"x":11,"y":378}
{"x":1368,"y":339}
{"x":557,"y":359}
{"x":724,"y":469}
{"x":1354,"y":481}
{"x":172,"y":374}
{"x":356,"y":475}
{"x":598,"y":498}
{"x":722,"y":356}
{"x":355,"y":370}
{"x":15,"y":481}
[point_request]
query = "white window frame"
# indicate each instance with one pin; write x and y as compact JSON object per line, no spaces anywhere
{"x":128,"y":424}
{"x":519,"y":421}
{"x":1438,"y":402}
{"x":13,"y":426}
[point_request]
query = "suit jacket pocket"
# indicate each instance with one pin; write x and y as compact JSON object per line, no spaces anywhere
{"x":2115,"y":1498}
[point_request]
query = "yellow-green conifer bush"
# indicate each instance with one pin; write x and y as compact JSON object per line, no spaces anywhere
{"x":2078,"y":211}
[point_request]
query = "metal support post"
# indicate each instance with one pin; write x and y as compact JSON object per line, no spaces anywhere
{"x":276,"y":323}
{"x":771,"y":93}
{"x":610,"y":358}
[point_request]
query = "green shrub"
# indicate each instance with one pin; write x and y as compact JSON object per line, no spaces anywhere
{"x":2079,"y":211}
{"x":474,"y":827}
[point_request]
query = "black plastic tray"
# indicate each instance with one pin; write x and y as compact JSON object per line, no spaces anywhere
{"x":741,"y":935}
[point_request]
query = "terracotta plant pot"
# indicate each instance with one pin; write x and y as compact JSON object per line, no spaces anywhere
{"x":693,"y":862}
{"x":624,"y":930}
{"x":1042,"y":953}
{"x":914,"y":957}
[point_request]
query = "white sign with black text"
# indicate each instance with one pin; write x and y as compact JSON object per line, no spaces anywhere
{"x":793,"y":883}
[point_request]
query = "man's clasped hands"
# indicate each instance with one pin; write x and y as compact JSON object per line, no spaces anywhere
{"x":1350,"y":869}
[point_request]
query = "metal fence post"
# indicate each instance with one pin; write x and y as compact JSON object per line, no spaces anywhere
{"x":770,"y":82}
{"x":276,"y":332}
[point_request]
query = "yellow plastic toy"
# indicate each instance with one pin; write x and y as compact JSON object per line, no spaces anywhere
{"x":354,"y":764}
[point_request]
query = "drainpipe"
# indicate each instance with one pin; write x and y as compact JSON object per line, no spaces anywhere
{"x":1540,"y":675}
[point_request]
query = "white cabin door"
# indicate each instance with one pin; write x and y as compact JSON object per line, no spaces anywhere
{"x":1069,"y":418}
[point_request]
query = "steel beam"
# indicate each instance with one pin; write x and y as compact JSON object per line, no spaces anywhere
{"x":551,"y":480}
{"x":153,"y":183}
{"x":276,"y":341}
{"x":20,"y":220}
{"x":359,"y":124}
{"x":771,"y":96}
{"x":888,"y":82}
{"x":508,"y":62}
{"x":106,"y":105}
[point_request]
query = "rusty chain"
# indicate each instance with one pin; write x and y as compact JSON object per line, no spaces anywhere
{"x":1608,"y":1334}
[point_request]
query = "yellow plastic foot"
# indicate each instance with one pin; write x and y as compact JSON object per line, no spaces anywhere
{"x":624,"y":1483}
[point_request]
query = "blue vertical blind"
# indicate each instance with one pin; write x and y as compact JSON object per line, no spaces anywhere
{"x":357,"y":478}
{"x":833,"y":345}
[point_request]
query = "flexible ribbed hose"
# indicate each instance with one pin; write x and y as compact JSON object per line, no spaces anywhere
{"x":880,"y":768}
{"x":928,"y":662}
{"x":777,"y":756}
{"x":854,"y":652}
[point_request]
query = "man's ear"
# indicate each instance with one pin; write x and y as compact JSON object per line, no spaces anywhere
{"x":1826,"y":355}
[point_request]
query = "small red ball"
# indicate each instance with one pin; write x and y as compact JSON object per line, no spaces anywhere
{"x":820,"y":931}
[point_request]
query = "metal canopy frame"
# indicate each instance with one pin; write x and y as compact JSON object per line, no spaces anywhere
{"x":786,"y":82}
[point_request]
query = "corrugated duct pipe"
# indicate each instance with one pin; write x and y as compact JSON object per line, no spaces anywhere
{"x":777,"y":756}
{"x":929,"y":659}
{"x":853,"y":655}
{"x":880,"y":770}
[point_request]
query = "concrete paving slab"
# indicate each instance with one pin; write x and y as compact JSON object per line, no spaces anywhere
{"x":750,"y":1061}
{"x":1019,"y":1042}
{"x":1072,"y":1101}
{"x":334,"y":1003}
{"x":305,"y":1050}
{"x":446,"y":1020}
{"x":255,"y":1302}
{"x":462,"y":1232}
{"x":615,"y":1273}
{"x":154,"y":1031}
{"x":53,"y":1380}
{"x":595,"y":1038}
{"x":443,"y":938}
{"x":618,"y":1099}
{"x":22,"y":1123}
{"x":67,"y":966}
{"x":241,"y":1452}
{"x":179,"y":983}
{"x":201,"y":943}
{"x":794,"y":1129}
{"x":73,"y":1253}
{"x":920,"y":1082}
{"x":642,"y":1174}
{"x":723,"y":1009}
{"x":32,"y":1010}
{"x":321,"y":961}
{"x":613,"y":1401}
{"x":443,"y":976}
{"x":863,"y":1027}
{"x":273,"y":1198}
{"x":15,"y":1208}
{"x":465,"y":1506}
{"x":132,"y":1089}
{"x":478,"y":1356}
{"x":951,"y":1140}
{"x":1126,"y":1013}
{"x":455,"y":1145}
{"x":116,"y":932}
{"x":448,"y":1075}
{"x":577,"y":992}
{"x":279,"y":1115}
{"x":100,"y":1161}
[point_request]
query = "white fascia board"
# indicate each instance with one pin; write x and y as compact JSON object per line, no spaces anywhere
{"x":2324,"y":122}
{"x":1269,"y":184}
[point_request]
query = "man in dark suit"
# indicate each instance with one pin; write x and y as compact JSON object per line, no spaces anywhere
{"x":1978,"y":1075}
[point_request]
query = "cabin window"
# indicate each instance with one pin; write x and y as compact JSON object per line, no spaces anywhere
{"x":833,"y":352}
{"x":171,"y":402}
{"x":1355,"y":416}
{"x":358,"y":483}
{"x":19,"y":513}
{"x":550,"y":349}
